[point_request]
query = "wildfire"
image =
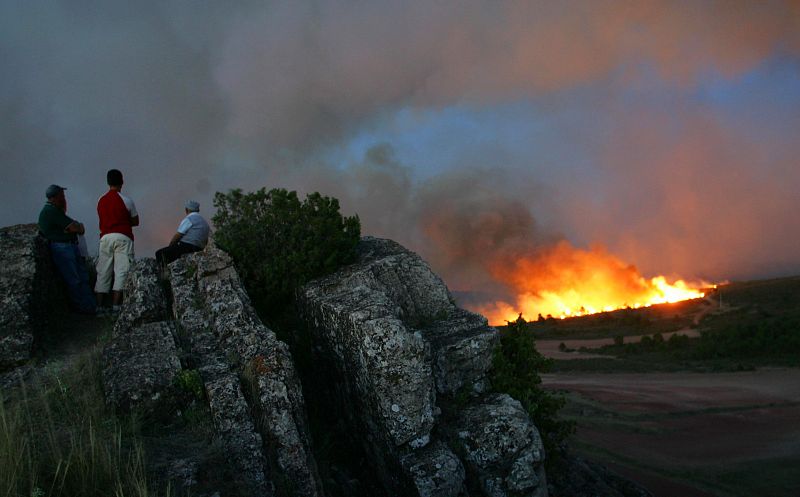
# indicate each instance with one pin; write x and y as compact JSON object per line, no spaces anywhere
{"x":563,"y":281}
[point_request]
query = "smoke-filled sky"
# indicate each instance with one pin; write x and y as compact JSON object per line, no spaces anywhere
{"x":667,"y":132}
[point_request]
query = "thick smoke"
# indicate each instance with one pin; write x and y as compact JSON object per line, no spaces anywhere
{"x":189,"y":98}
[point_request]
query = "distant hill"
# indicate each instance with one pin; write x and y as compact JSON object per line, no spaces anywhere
{"x":740,"y":325}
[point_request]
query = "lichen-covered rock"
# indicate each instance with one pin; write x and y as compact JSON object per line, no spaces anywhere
{"x":31,"y":294}
{"x":389,"y":333}
{"x":384,"y":382}
{"x":463,"y":343}
{"x":139,"y":367}
{"x":234,"y":427}
{"x":225,"y":335}
{"x":501,"y":448}
{"x":362,"y":315}
{"x":436,"y":471}
{"x":145,"y":300}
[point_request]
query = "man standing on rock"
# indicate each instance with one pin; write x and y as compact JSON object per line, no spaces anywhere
{"x":118,"y":216}
{"x":192,"y":235}
{"x":61,"y":231}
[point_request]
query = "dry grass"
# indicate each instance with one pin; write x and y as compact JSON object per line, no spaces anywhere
{"x":58,"y":439}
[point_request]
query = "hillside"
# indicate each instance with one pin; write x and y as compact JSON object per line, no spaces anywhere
{"x":698,"y":398}
{"x":740,"y":325}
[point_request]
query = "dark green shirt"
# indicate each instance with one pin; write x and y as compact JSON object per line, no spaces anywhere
{"x":53,"y":221}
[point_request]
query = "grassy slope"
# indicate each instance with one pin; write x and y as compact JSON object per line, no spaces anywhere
{"x":58,"y":437}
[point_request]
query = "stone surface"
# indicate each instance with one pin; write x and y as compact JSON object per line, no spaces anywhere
{"x":224,"y":334}
{"x":436,"y":471}
{"x":145,"y":300}
{"x":234,"y":427}
{"x":382,"y":366}
{"x":31,"y":293}
{"x":502,"y":448}
{"x":389,"y":338}
{"x":139,"y":367}
{"x":463,"y":343}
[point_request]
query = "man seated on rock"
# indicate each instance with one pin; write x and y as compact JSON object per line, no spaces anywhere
{"x":192,"y":235}
{"x":61,"y":231}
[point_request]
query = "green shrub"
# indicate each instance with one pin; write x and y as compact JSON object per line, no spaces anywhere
{"x":516,"y":366}
{"x":279,"y":243}
{"x":765,"y":337}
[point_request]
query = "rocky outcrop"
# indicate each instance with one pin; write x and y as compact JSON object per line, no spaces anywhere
{"x":30,"y":292}
{"x":401,"y":365}
{"x":203,"y":324}
{"x":254,"y":393}
{"x":398,"y":352}
{"x":140,"y":366}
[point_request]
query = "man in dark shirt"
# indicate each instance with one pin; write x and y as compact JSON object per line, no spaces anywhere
{"x":62,"y":233}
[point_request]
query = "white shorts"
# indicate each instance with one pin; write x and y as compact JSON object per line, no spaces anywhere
{"x":114,"y":260}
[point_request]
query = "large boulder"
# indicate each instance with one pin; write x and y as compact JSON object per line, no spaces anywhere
{"x":397,"y":351}
{"x":32,"y":296}
{"x":228,"y":343}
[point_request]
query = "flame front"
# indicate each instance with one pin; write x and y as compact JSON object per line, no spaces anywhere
{"x":563,"y":281}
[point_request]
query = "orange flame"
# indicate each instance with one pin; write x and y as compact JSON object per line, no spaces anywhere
{"x":563,"y":281}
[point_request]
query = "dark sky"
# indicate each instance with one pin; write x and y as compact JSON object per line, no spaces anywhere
{"x":664,"y":131}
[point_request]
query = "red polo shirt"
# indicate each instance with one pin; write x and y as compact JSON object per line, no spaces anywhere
{"x":115,"y":212}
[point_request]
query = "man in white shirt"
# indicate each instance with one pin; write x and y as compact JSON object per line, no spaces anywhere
{"x":192,"y":235}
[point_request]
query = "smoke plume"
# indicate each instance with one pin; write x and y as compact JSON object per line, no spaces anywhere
{"x":663,"y":131}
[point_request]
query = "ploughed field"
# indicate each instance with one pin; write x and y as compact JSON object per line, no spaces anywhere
{"x":699,"y":415}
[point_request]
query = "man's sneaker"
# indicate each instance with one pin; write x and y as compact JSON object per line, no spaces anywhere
{"x":115,"y":309}
{"x":103,"y":311}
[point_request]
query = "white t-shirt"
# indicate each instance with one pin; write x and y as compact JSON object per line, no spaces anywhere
{"x":194,"y":229}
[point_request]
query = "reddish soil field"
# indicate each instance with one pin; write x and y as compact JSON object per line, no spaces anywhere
{"x":682,"y":423}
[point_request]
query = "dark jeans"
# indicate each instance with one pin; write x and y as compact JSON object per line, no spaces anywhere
{"x":67,"y":259}
{"x":169,"y":254}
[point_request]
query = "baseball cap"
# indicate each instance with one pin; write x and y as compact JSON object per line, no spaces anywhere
{"x":192,"y":205}
{"x":53,"y":190}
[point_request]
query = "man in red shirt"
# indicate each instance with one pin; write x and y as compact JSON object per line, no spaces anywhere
{"x":118,"y":216}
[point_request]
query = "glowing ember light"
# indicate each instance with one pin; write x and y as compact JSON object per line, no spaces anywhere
{"x":567,"y":282}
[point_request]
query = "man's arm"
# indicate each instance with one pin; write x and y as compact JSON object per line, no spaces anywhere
{"x":75,"y":227}
{"x":176,"y":238}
